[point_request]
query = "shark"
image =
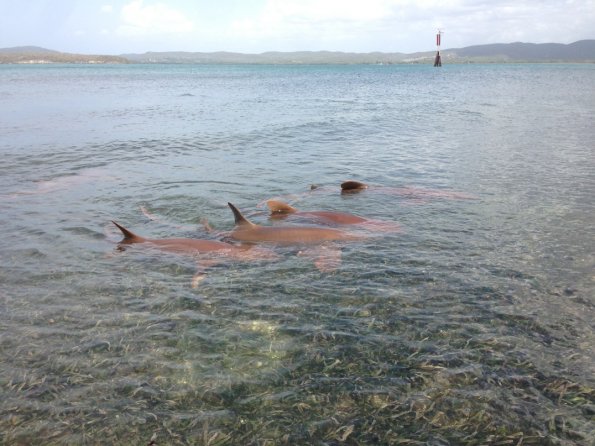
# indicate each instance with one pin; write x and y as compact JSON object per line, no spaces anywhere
{"x":352,"y":186}
{"x":416,"y":195}
{"x":65,"y":182}
{"x":317,"y":242}
{"x":206,"y":252}
{"x":280,"y":209}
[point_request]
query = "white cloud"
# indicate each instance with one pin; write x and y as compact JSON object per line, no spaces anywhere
{"x":359,"y":25}
{"x":139,"y":19}
{"x":409,"y":25}
{"x":329,"y":10}
{"x":312,"y":22}
{"x":107,"y":8}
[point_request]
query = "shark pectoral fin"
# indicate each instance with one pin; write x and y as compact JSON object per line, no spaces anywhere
{"x":201,"y":268}
{"x":161,"y":220}
{"x":210,"y":230}
{"x":380,"y":226}
{"x":197,"y":278}
{"x":329,"y":259}
{"x":205,"y":224}
{"x":326,"y":258}
{"x":147,"y":214}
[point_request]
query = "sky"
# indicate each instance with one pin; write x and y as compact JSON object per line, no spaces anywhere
{"x":254,"y":26}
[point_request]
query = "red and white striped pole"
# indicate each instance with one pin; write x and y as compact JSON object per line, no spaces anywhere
{"x":438,"y":59}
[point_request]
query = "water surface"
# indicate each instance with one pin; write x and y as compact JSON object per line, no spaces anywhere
{"x":473,"y":325}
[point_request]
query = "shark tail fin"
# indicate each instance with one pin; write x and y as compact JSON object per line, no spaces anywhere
{"x":129,"y":236}
{"x":239,"y":218}
{"x":279,"y":207}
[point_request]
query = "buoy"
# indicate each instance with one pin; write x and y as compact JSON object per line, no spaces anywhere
{"x":438,"y":59}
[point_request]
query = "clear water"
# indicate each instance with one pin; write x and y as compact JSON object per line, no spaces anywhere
{"x":474,"y":325}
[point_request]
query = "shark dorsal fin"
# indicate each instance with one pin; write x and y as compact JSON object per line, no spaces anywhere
{"x":279,"y":207}
{"x":128,"y":235}
{"x":239,"y":218}
{"x":353,"y":185}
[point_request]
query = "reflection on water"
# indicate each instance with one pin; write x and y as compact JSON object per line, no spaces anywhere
{"x":471,"y":325}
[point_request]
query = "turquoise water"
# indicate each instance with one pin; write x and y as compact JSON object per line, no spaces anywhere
{"x":473,"y":325}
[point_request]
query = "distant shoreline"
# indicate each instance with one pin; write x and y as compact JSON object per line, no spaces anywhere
{"x":582,"y":51}
{"x":48,"y":63}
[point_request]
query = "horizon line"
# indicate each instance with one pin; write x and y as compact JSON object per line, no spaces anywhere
{"x":288,"y":51}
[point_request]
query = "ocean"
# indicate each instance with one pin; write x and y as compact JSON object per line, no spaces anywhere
{"x":469,"y":323}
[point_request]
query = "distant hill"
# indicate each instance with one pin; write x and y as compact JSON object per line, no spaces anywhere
{"x":298,"y":57}
{"x":581,"y":51}
{"x":34,"y":54}
{"x":27,"y":50}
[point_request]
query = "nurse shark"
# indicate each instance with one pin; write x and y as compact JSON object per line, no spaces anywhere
{"x":206,"y":252}
{"x":280,"y":209}
{"x":352,"y":186}
{"x":317,"y":243}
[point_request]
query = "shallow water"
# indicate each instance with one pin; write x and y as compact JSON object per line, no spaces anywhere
{"x":473,"y":325}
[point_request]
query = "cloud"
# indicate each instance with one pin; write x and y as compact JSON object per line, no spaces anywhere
{"x":406,"y":25}
{"x":349,"y":24}
{"x":107,"y":8}
{"x":139,"y":19}
{"x":329,"y":10}
{"x":283,"y":14}
{"x":312,"y":22}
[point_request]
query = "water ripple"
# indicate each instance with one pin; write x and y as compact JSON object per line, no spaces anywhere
{"x":473,"y":325}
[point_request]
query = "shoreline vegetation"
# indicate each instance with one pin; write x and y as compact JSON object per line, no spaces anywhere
{"x":582,"y":51}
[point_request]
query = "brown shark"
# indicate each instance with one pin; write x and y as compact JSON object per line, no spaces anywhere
{"x":317,"y":242}
{"x":247,"y":231}
{"x":207,"y":252}
{"x":280,"y":209}
{"x":352,"y":186}
{"x":64,"y":182}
